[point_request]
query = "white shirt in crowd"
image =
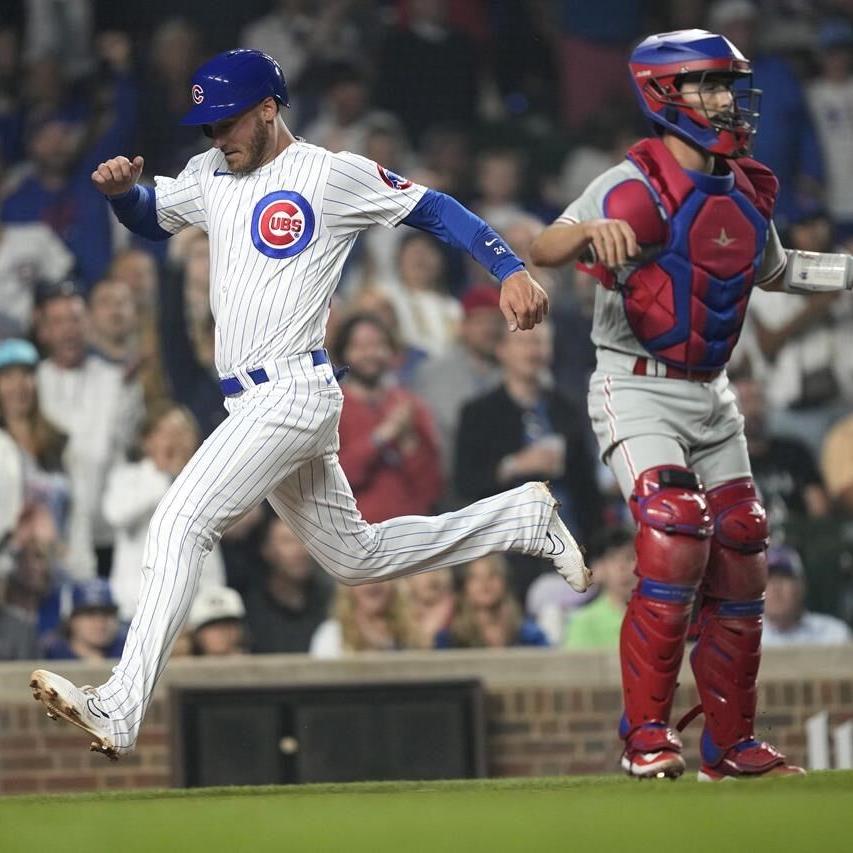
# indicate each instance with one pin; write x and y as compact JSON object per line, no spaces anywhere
{"x":327,"y":641}
{"x":11,"y":484}
{"x":99,"y":411}
{"x":801,"y":356}
{"x":813,"y":629}
{"x":28,"y":253}
{"x":428,"y":320}
{"x":831,"y":104}
{"x":822,"y":347}
{"x":132,"y":493}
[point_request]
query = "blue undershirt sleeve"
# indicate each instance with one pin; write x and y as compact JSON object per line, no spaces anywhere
{"x":137,"y":211}
{"x":447,"y":219}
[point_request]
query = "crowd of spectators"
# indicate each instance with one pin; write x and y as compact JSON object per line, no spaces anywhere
{"x":107,"y":384}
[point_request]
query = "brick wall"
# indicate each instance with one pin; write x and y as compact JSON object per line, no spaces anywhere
{"x":547,"y":712}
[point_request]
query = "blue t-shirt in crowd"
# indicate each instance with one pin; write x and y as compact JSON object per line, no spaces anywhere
{"x":76,"y":211}
{"x":59,"y":649}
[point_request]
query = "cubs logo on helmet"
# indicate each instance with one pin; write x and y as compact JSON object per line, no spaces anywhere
{"x":197,"y":94}
{"x":392,"y":180}
{"x":282,"y":224}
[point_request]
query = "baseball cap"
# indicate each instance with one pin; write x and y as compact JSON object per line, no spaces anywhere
{"x":213,"y":604}
{"x":94,"y":594}
{"x":481,"y":296}
{"x":16,"y":352}
{"x":783,"y":561}
{"x":45,"y":291}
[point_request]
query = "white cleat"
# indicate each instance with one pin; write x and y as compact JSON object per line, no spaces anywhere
{"x":560,"y":547}
{"x":664,"y":764}
{"x":80,"y":706}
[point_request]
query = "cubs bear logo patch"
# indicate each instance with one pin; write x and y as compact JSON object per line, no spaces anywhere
{"x":393,"y":180}
{"x":282,"y":224}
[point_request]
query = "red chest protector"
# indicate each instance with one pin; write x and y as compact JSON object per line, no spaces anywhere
{"x":687,"y":303}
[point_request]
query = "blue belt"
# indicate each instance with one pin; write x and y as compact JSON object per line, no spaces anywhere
{"x":231,"y":386}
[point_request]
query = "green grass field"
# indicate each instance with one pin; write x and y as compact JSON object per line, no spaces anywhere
{"x":589,"y":814}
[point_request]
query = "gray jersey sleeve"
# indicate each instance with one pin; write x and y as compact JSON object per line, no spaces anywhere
{"x":360,"y":192}
{"x":590,"y":204}
{"x":179,"y":200}
{"x":774,"y":260}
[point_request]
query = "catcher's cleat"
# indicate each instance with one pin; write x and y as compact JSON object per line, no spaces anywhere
{"x":653,"y":752}
{"x":750,"y":759}
{"x":560,"y":547}
{"x":79,"y":706}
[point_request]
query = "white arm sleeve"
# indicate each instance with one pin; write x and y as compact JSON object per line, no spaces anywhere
{"x":360,"y":192}
{"x":179,"y":200}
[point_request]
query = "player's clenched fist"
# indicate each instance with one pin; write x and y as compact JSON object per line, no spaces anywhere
{"x":117,"y":175}
{"x":613,"y":240}
{"x":524,"y":302}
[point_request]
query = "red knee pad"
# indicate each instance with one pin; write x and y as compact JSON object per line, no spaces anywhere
{"x":674,"y":525}
{"x":737,"y":568}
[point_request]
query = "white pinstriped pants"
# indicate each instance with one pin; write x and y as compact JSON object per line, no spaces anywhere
{"x":280,"y":442}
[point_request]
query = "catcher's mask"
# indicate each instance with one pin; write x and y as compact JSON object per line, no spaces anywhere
{"x":661,"y":65}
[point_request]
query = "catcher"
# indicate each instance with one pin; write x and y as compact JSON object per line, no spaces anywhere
{"x":678,"y":234}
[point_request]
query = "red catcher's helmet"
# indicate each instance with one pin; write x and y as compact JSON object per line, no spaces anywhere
{"x":659,"y":65}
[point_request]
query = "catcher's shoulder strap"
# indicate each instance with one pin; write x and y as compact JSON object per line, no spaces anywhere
{"x":757,"y":183}
{"x":671,"y":184}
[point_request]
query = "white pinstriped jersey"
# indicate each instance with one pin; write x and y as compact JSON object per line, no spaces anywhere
{"x":279,"y":237}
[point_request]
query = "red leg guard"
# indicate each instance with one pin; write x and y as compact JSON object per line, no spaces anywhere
{"x":672,"y":552}
{"x":725,"y":663}
{"x":726,"y":658}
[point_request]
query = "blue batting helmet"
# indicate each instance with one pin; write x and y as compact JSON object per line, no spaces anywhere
{"x":660,"y":64}
{"x":232,"y":82}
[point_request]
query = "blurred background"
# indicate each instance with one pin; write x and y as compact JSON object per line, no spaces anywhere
{"x":106,"y":357}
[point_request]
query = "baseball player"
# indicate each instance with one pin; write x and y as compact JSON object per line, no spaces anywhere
{"x":678,"y":234}
{"x":282,"y":216}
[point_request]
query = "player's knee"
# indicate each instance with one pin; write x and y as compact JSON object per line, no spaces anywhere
{"x":341,"y":573}
{"x":737,"y":569}
{"x":180,"y":523}
{"x":674,"y":525}
{"x":346,"y":577}
{"x":740,"y":522}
